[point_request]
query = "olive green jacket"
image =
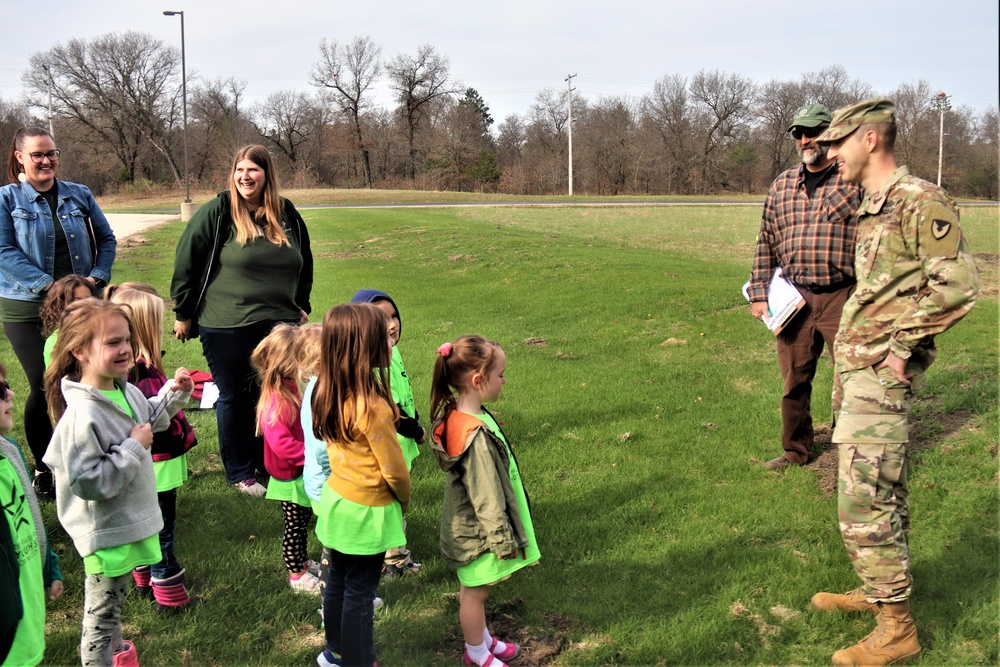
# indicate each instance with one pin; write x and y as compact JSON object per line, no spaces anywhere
{"x":480,"y":512}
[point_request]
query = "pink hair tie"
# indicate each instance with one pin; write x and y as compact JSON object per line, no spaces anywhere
{"x":445,"y":350}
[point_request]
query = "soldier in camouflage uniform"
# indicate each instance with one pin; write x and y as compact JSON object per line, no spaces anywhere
{"x":916,"y":278}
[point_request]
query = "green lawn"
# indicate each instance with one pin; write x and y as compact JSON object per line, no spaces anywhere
{"x":663,"y":541}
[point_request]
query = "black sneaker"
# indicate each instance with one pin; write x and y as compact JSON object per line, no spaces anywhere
{"x":44,"y":486}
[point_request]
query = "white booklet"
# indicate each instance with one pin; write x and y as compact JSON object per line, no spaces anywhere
{"x":783,"y":301}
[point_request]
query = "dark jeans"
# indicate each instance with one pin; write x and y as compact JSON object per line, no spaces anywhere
{"x":348,"y":613}
{"x":28,"y":343}
{"x":800,"y":345}
{"x":168,"y":565}
{"x":227,"y":352}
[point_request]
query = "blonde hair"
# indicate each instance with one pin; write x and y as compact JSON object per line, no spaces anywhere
{"x":110,"y":290}
{"x":147,"y":324}
{"x":353,"y":371}
{"x":269,"y":213}
{"x":275,"y":362}
{"x":308,"y":347}
{"x":83,"y":321}
{"x":467,"y":355}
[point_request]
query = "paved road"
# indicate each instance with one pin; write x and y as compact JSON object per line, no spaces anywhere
{"x":127,"y":224}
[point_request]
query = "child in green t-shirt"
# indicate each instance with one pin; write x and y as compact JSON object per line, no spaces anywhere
{"x":28,"y":568}
{"x":409,"y":432}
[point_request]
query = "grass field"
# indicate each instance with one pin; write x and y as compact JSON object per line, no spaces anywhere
{"x":641,"y":398}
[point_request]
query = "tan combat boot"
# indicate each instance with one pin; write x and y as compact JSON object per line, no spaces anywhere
{"x":893,"y":642}
{"x":851,"y":601}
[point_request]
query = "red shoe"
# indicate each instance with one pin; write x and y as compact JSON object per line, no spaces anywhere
{"x":509,"y":653}
{"x":491,"y":661}
{"x":126,"y":656}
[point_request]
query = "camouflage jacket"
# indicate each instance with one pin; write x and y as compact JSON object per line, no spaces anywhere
{"x":916,"y":275}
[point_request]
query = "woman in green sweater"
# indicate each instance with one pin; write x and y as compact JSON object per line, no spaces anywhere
{"x":242,"y":265}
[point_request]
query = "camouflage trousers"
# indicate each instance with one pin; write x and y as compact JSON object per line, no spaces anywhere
{"x":873,"y":502}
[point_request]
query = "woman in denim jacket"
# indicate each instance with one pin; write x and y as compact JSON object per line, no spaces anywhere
{"x":34,"y":253}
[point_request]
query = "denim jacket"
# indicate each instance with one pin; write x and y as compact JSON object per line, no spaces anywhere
{"x":28,"y":238}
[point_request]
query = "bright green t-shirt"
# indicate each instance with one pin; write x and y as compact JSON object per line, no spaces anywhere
{"x":402,"y":394}
{"x":29,"y":640}
{"x":50,"y":344}
{"x":116,"y":561}
{"x":171,"y":474}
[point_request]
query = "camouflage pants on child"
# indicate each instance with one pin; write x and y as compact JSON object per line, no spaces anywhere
{"x":874,"y":509}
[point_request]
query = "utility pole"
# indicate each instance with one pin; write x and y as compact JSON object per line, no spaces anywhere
{"x":941,"y":104}
{"x":49,"y":73}
{"x":569,"y":124}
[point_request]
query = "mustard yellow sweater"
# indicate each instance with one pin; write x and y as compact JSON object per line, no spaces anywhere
{"x":369,"y":469}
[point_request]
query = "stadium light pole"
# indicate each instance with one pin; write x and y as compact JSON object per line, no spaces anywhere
{"x":941,"y":104}
{"x":187,"y":210}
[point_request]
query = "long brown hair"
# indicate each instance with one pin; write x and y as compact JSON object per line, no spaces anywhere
{"x":454,"y":363}
{"x":14,"y":167}
{"x":353,"y":370}
{"x":60,"y":294}
{"x":276,"y":365}
{"x":83,"y":321}
{"x":269,"y":213}
{"x":147,"y":323}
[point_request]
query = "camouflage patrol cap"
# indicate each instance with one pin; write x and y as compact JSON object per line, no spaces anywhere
{"x":849,"y":118}
{"x":810,"y":115}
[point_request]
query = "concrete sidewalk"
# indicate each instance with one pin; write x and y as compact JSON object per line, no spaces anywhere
{"x":127,"y":224}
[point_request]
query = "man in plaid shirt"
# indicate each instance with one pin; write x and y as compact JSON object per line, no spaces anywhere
{"x":808,"y":230}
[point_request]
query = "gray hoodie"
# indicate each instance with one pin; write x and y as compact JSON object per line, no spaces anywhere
{"x":105,"y":485}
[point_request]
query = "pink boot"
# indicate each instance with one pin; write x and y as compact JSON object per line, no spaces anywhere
{"x":141,"y":575}
{"x":126,"y":656}
{"x":171,"y":595}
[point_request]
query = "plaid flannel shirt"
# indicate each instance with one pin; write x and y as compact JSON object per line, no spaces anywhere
{"x":810,"y":238}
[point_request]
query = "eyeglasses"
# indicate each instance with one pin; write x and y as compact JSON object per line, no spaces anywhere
{"x":5,"y":391}
{"x":37,"y":158}
{"x":808,"y":132}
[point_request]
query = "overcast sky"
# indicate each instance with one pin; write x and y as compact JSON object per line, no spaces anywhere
{"x":509,"y":50}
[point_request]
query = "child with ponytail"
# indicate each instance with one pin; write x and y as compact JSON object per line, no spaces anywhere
{"x":486,"y":528}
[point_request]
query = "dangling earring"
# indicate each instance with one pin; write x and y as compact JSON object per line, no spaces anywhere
{"x":22,"y":177}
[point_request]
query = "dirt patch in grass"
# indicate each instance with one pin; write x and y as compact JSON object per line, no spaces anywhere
{"x":540,"y":646}
{"x":929,"y":431}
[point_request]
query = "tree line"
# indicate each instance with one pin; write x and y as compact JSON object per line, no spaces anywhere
{"x":117,"y":114}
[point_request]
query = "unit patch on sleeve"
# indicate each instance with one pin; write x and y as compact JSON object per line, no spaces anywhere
{"x":940,"y":232}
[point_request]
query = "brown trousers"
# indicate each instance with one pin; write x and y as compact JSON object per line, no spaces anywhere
{"x":800,"y":345}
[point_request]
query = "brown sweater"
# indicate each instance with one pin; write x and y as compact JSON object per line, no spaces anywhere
{"x":369,"y":469}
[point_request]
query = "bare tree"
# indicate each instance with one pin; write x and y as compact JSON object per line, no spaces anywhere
{"x":418,"y":81}
{"x":608,"y":145}
{"x":544,"y":156}
{"x":350,"y":70}
{"x":123,"y":88}
{"x":668,"y":110}
{"x":916,"y":133}
{"x":775,"y":107}
{"x":218,"y":125}
{"x":725,"y":104}
{"x":13,"y":116}
{"x":834,"y":88}
{"x":286,"y":119}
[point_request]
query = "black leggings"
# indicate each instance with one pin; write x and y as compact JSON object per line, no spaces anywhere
{"x":295,"y":542}
{"x":28,"y":343}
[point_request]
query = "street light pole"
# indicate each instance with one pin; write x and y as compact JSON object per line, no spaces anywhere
{"x":188,"y":210}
